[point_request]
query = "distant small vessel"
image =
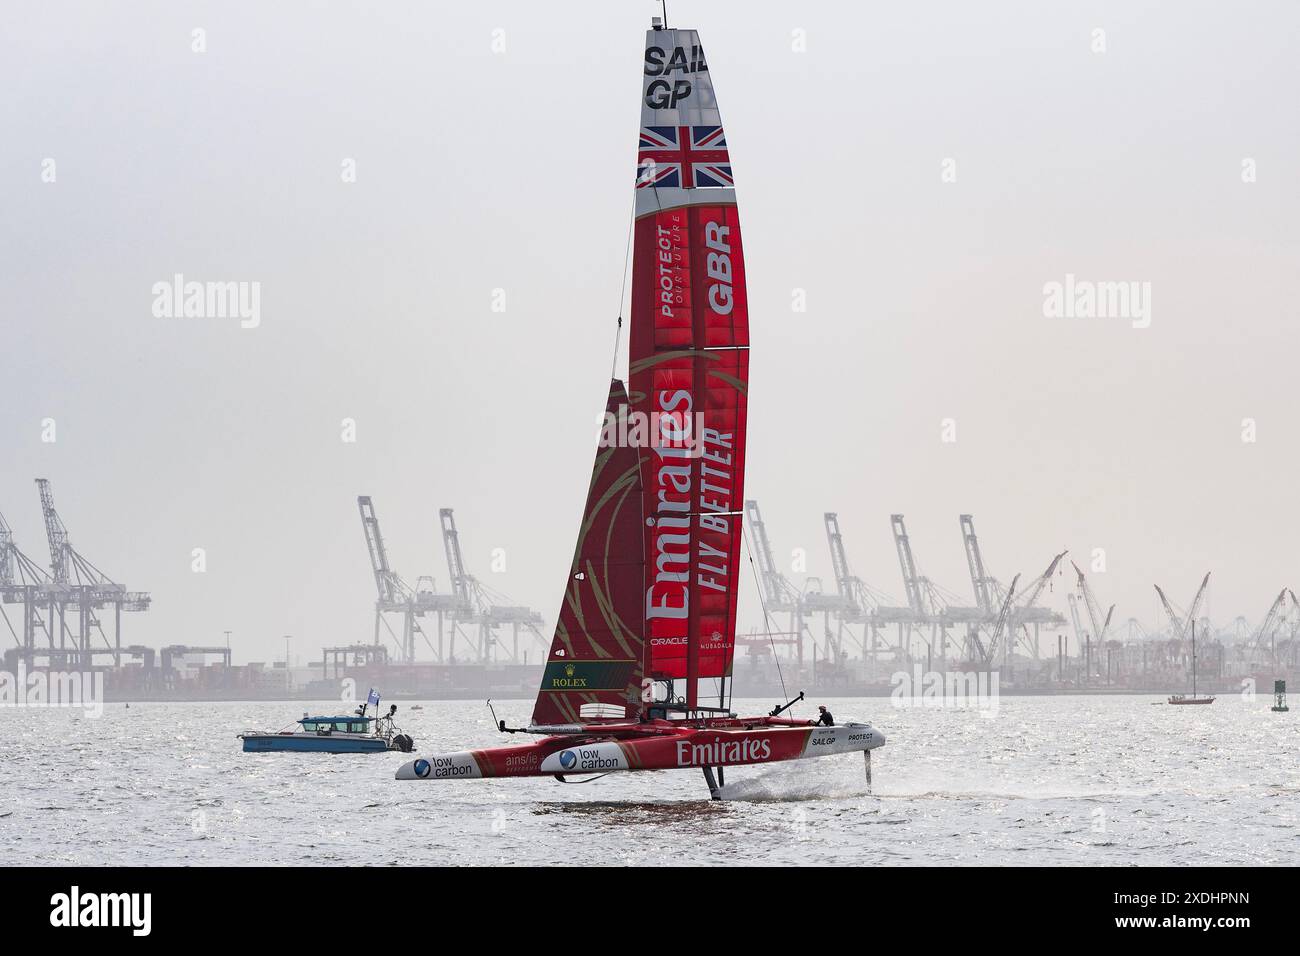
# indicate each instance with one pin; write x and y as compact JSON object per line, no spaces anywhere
{"x":355,"y":734}
{"x":1183,"y":698}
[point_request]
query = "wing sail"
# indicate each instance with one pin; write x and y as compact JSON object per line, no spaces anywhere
{"x":689,"y":369}
{"x":596,"y":662}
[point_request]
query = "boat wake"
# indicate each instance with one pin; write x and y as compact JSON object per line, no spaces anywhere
{"x":616,"y":813}
{"x":799,"y":781}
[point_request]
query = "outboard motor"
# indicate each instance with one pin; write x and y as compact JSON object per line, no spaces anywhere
{"x":404,"y":743}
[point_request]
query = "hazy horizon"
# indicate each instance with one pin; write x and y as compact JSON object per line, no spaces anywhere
{"x":924,"y":297}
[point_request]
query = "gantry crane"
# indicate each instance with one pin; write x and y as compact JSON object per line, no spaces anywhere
{"x":911,"y":580}
{"x":927,"y":603}
{"x":988,"y":590}
{"x":477,"y":604}
{"x":778,"y":594}
{"x":984,"y":585}
{"x":914,"y":613}
{"x":854,"y":602}
{"x":23,"y":581}
{"x":76,"y":584}
{"x":395,"y":596}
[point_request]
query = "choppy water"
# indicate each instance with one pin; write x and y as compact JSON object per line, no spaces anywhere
{"x":1048,"y":780}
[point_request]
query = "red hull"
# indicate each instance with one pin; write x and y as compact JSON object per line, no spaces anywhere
{"x":659,"y":745}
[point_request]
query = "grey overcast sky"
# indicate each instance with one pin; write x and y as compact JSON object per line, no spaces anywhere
{"x":479,"y":170}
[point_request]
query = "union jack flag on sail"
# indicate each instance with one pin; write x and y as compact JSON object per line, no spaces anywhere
{"x":685,"y":156}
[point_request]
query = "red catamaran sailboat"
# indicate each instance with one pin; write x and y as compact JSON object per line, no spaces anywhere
{"x":649,"y":611}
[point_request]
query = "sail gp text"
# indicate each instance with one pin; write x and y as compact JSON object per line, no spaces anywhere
{"x":667,"y":90}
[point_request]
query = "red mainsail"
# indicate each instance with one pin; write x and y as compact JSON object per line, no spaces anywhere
{"x":596,"y":664}
{"x":689,"y":365}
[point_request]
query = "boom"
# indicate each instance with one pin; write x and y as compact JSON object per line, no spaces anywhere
{"x":55,"y":532}
{"x":1001,"y":624}
{"x":911,"y":580}
{"x":392,"y":589}
{"x":839,"y":560}
{"x":778,"y":593}
{"x":1270,"y":621}
{"x":461,"y":583}
{"x":1180,"y":622}
{"x":984,"y":586}
{"x":1094,"y":609}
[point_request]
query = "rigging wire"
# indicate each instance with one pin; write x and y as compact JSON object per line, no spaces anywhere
{"x":767,"y":623}
{"x":622,"y":289}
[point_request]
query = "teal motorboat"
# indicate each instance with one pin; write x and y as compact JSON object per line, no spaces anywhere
{"x":354,"y":734}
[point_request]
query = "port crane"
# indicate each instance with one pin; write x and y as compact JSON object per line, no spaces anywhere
{"x":984,"y":585}
{"x":855,"y":601}
{"x":1177,"y":621}
{"x":989,"y":596}
{"x":23,"y":581}
{"x":396,"y":596}
{"x":912,"y":585}
{"x":1100,"y":625}
{"x":1026,"y":613}
{"x":989,"y":655}
{"x":779,"y":595}
{"x":76,"y":584}
{"x":1266,"y":653}
{"x":777,"y":592}
{"x":477,"y":604}
{"x":916,"y":612}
